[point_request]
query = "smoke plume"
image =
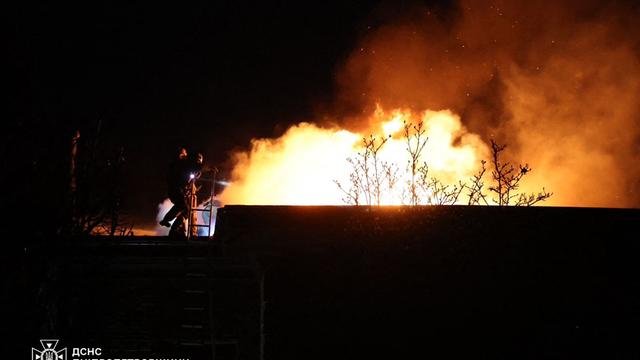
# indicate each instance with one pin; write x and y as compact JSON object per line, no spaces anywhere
{"x":559,"y":82}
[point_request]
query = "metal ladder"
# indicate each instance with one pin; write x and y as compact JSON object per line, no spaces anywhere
{"x":203,"y":207}
{"x":203,"y":331}
{"x":196,"y":327}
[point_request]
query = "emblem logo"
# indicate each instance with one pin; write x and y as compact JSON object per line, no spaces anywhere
{"x":48,"y":351}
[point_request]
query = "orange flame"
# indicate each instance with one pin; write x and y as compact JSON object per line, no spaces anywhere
{"x":300,"y":167}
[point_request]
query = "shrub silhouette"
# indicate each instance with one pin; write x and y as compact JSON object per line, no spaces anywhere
{"x":370,"y":177}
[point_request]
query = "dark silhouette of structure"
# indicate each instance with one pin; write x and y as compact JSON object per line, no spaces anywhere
{"x":284,"y":282}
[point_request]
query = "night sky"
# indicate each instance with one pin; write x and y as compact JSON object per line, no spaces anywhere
{"x":152,"y":76}
{"x":145,"y":78}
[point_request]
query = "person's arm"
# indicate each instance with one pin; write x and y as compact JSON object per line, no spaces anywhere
{"x":209,"y":168}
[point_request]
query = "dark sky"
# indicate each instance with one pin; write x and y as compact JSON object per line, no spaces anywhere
{"x":209,"y":74}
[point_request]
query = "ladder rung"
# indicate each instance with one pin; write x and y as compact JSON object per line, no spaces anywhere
{"x":200,"y":225}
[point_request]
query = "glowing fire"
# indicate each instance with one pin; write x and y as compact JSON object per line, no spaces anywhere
{"x":558,"y":82}
{"x":300,"y":167}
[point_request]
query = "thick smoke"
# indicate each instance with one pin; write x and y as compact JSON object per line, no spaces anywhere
{"x":558,"y":81}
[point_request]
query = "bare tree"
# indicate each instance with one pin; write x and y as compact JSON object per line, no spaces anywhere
{"x":370,"y":178}
{"x":476,"y":194}
{"x":391,"y":177}
{"x":368,"y":175}
{"x":352,"y":193}
{"x":445,"y":194}
{"x":96,"y":173}
{"x":532,"y":199}
{"x":373,"y":146}
{"x":416,"y":141}
{"x":435,"y":192}
{"x":507,"y":181}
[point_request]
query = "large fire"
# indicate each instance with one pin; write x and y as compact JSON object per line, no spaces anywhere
{"x":559,"y":82}
{"x":301,"y":167}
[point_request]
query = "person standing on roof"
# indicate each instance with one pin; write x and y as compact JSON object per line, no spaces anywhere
{"x":178,"y":178}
